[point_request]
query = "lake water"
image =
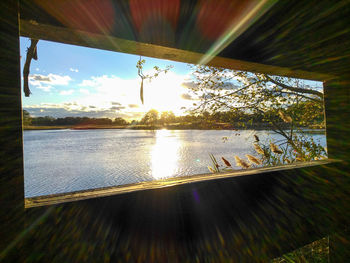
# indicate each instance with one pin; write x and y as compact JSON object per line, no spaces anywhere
{"x":58,"y":161}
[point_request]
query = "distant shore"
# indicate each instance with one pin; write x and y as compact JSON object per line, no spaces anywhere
{"x":176,"y":126}
{"x":64,"y":127}
{"x":133,"y":127}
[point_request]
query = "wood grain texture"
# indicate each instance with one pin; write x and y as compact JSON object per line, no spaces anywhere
{"x":81,"y":38}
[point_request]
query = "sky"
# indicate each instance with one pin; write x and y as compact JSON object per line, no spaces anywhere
{"x":68,"y":80}
{"x":72,"y":81}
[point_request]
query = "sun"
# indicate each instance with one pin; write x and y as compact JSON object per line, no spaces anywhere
{"x":165,"y":93}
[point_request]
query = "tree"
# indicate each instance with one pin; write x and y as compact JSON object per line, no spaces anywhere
{"x":27,"y":119}
{"x":43,"y":121}
{"x":167,"y":117}
{"x":286,"y":104}
{"x":150,"y":118}
{"x":120,"y":121}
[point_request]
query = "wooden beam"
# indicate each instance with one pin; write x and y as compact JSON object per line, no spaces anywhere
{"x":81,"y":38}
{"x":11,"y":153}
{"x":157,"y":184}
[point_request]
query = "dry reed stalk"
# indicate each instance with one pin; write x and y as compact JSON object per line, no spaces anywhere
{"x":253,"y":159}
{"x":227,"y":163}
{"x":211,"y":169}
{"x":256,"y":138}
{"x":242,"y":163}
{"x":274,"y":148}
{"x":287,"y":160}
{"x":258,"y":149}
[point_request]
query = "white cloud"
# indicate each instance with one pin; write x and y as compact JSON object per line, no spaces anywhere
{"x":163,"y":93}
{"x":39,"y":78}
{"x":84,"y":91}
{"x":59,"y":110}
{"x":186,"y":96}
{"x":66,"y":92}
{"x":44,"y":105}
{"x":45,"y":88}
{"x":107,"y":89}
{"x":47,"y":82}
{"x":112,"y":96}
{"x":74,"y":69}
{"x":52,"y":79}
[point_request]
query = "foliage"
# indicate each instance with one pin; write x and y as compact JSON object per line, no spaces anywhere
{"x":27,"y":119}
{"x":258,"y":94}
{"x":273,"y":155}
{"x":167,"y":117}
{"x":286,"y":104}
{"x":284,"y":154}
{"x":150,"y":118}
{"x":120,"y":121}
{"x":68,"y":121}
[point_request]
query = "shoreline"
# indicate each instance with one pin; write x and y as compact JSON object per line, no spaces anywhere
{"x":168,"y":127}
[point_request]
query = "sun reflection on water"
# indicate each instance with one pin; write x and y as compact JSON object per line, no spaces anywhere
{"x":165,"y":154}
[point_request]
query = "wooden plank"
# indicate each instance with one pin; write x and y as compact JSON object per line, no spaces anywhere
{"x":156,"y":184}
{"x":75,"y":37}
{"x":11,"y":156}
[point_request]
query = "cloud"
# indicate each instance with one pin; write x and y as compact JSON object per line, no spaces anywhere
{"x":71,"y":110}
{"x":74,"y":70}
{"x":189,"y":85}
{"x":66,"y":104}
{"x":45,"y":88}
{"x":131,"y":115}
{"x":186,"y":96}
{"x":52,"y":79}
{"x":111,"y":96}
{"x":66,"y":92}
{"x":107,"y":91}
{"x":117,"y":108}
{"x":110,"y":84}
{"x":84,"y":91}
{"x":39,"y":78}
{"x":162,"y":93}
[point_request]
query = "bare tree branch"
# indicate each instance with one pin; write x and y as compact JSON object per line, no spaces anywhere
{"x":303,"y":96}
{"x":31,"y":54}
{"x":300,"y":90}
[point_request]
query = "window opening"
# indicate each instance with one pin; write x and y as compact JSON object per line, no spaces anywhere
{"x":91,"y":122}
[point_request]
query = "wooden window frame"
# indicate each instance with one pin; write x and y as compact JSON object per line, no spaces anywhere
{"x":309,"y":185}
{"x":63,"y":35}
